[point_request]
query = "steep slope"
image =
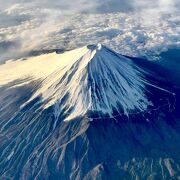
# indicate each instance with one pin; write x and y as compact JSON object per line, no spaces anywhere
{"x":90,"y":79}
{"x":90,"y":113}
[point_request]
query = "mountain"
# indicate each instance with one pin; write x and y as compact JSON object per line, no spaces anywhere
{"x":89,"y":113}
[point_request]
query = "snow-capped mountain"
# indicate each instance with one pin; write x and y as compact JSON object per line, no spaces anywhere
{"x":89,"y":113}
{"x":89,"y":79}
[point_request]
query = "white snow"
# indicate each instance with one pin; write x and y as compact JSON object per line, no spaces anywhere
{"x":91,"y":78}
{"x":10,"y":155}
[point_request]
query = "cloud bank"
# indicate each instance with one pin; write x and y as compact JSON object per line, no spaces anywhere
{"x":131,"y":27}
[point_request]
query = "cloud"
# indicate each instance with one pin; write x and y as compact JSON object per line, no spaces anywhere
{"x":137,"y":28}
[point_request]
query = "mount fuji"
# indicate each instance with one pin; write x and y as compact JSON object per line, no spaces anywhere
{"x":89,"y":113}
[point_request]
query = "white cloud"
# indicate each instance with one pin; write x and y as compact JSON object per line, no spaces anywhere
{"x":146,"y":30}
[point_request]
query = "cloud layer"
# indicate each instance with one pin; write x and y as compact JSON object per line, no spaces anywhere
{"x":135,"y":28}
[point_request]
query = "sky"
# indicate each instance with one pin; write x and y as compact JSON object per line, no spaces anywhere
{"x":142,"y":28}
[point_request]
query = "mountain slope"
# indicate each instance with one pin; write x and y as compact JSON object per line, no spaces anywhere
{"x":90,"y":113}
{"x":89,"y":79}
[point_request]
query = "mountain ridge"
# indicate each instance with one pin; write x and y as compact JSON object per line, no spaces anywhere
{"x":91,"y":79}
{"x":39,"y":141}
